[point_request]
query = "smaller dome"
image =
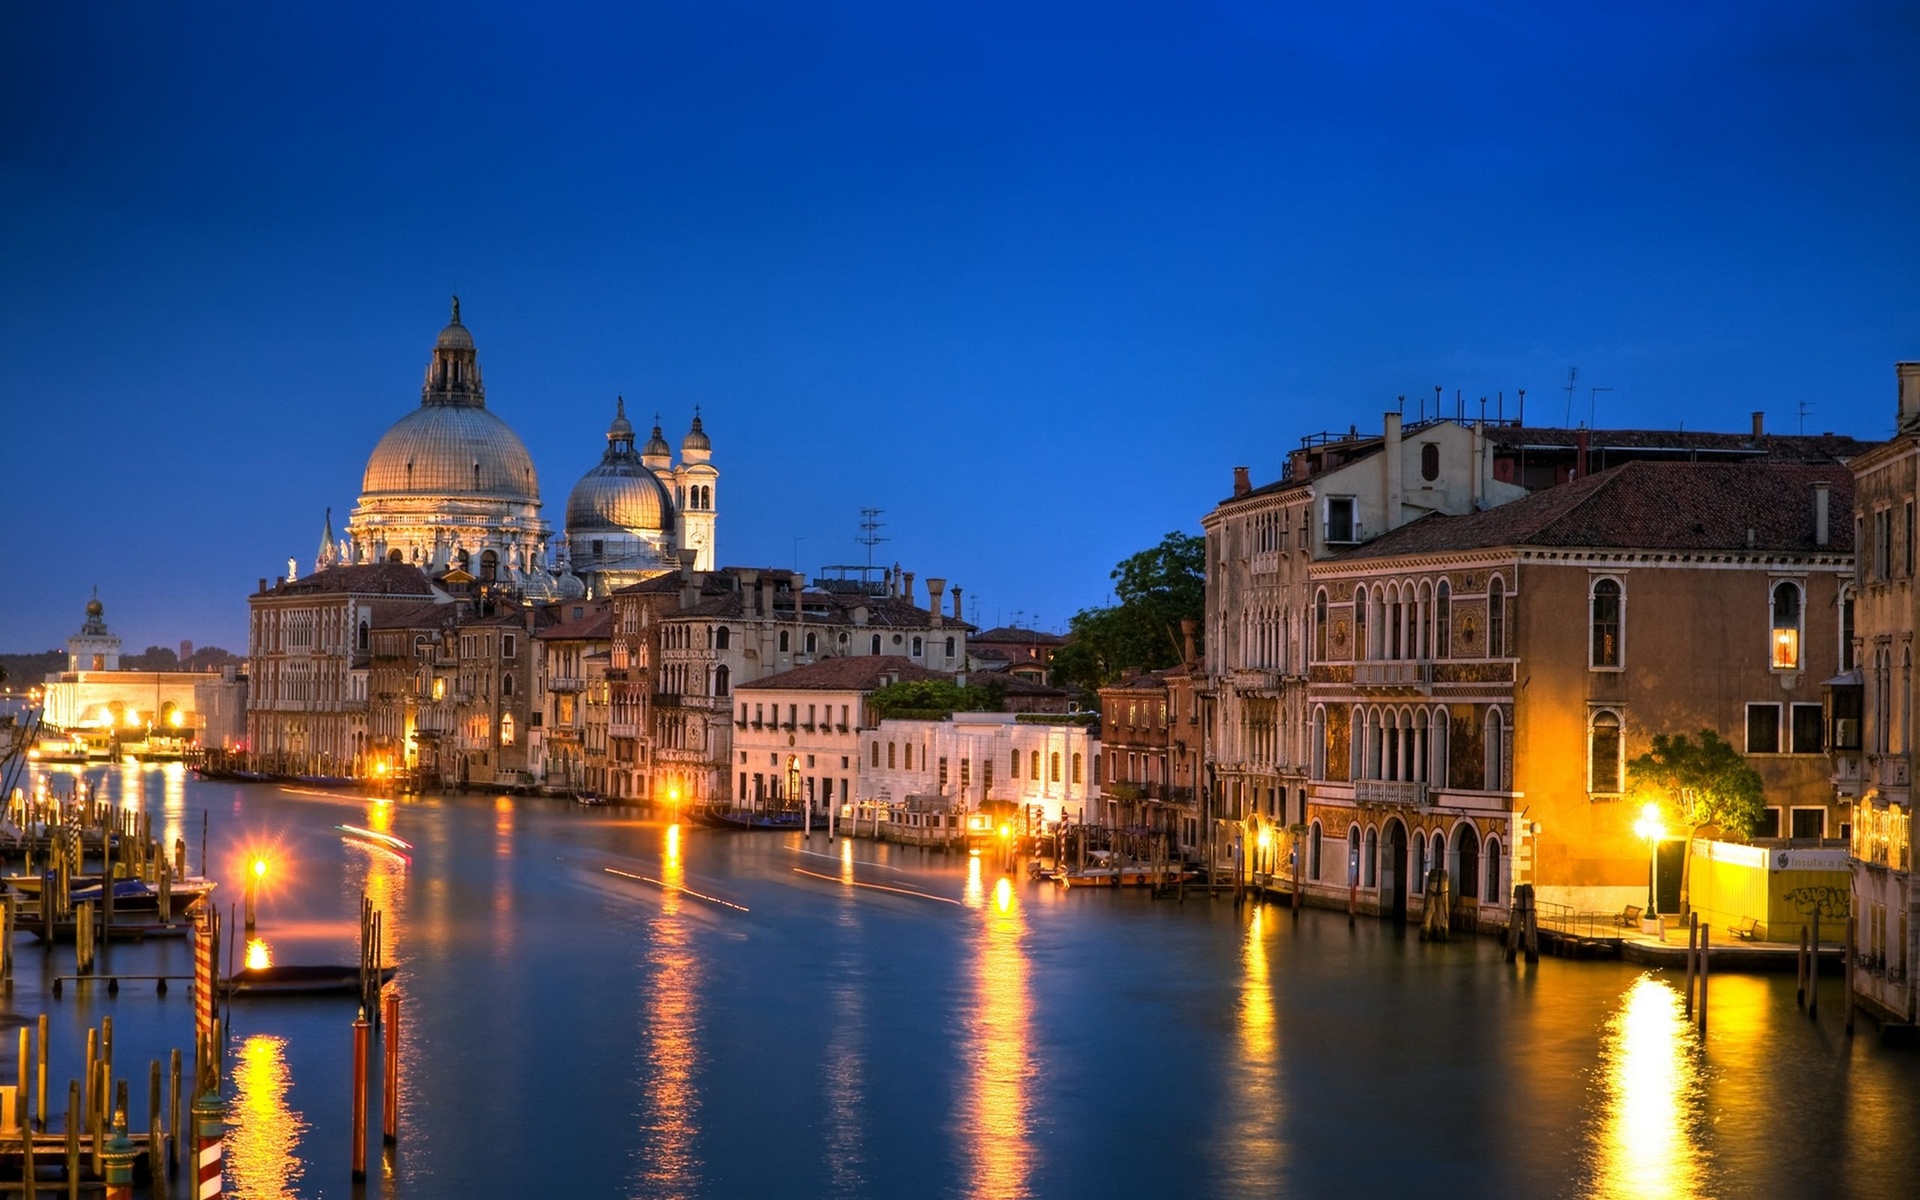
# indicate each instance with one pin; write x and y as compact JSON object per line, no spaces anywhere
{"x":621,"y":427}
{"x":455,"y":335}
{"x":618,"y":498}
{"x":95,"y":608}
{"x":657,"y":444}
{"x":696,"y":438}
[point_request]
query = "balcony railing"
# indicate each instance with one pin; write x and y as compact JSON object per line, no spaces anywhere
{"x":563,"y":683}
{"x":1895,"y":771}
{"x":1390,"y":791}
{"x":1394,"y":672}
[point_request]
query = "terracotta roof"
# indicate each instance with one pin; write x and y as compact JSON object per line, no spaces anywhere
{"x":383,"y":579}
{"x":1650,"y":505}
{"x":1015,"y":685}
{"x":1801,"y":448}
{"x":847,"y":673}
{"x":420,"y":616}
{"x":597,"y":623}
{"x":1013,"y":634}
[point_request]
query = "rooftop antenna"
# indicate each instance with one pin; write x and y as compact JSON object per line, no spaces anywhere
{"x":1573,"y":376}
{"x":1436,"y":401}
{"x":1592,"y":403}
{"x":1522,"y":418}
{"x":1805,"y":408}
{"x":870,"y":526}
{"x":1483,"y":410}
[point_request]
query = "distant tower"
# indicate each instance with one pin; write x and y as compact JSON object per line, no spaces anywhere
{"x":695,"y":481}
{"x":94,"y":648}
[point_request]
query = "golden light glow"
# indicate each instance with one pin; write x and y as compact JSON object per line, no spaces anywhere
{"x":1006,"y":831}
{"x":1649,"y":825}
{"x":259,"y":956}
{"x":263,"y":1139}
{"x":670,"y":1042}
{"x":1786,"y":649}
{"x":996,"y":1120}
{"x":1653,"y":1102}
{"x":133,"y":718}
{"x":259,"y":868}
{"x":1252,"y":1149}
{"x":379,"y":768}
{"x":1265,"y":838}
{"x":176,"y":718}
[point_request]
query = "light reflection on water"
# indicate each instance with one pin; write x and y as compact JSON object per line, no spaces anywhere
{"x":1253,"y":1150}
{"x":995,"y":1124}
{"x":845,"y":1066}
{"x":666,"y":1161}
{"x":1651,"y":1106}
{"x":263,"y":1139}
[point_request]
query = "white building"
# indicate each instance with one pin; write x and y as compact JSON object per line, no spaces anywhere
{"x":1044,"y":765}
{"x":797,"y":734}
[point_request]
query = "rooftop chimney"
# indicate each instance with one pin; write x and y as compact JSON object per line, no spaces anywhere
{"x":1242,"y":481}
{"x":1909,"y":375}
{"x":1390,"y":480}
{"x":936,"y":588}
{"x":956,"y":603}
{"x":1188,"y":627}
{"x":1822,"y":501}
{"x":1580,"y":455}
{"x":749,"y":599}
{"x":906,"y":585}
{"x":1759,"y":424}
{"x":263,"y":585}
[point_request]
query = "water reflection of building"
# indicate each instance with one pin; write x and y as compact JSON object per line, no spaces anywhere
{"x":1652,"y":1099}
{"x":1871,"y":716}
{"x":667,"y":1162}
{"x":263,"y":1139}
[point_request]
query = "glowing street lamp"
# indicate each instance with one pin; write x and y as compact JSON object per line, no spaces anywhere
{"x":257,"y":872}
{"x":1650,"y":828}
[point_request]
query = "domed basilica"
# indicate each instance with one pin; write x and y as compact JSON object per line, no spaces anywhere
{"x":451,"y":487}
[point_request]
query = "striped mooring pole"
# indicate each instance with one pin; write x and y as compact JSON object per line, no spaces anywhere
{"x":118,"y":1159}
{"x":209,"y":1126}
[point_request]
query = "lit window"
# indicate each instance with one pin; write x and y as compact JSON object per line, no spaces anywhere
{"x":1605,"y":606}
{"x":1786,"y":627}
{"x":1603,"y":754}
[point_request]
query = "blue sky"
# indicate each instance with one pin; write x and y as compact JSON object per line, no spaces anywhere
{"x":1031,"y":278}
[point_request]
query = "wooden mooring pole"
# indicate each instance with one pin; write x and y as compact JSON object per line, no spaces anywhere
{"x":1813,"y":970}
{"x":1847,"y":971}
{"x":1706,"y":972}
{"x":390,"y":1081}
{"x":1693,"y":952}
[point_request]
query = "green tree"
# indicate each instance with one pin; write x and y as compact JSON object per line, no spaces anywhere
{"x":1156,"y":589}
{"x":1701,"y":783}
{"x":935,"y":698}
{"x":1704,"y":783}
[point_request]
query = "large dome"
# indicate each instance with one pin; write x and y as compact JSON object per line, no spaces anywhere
{"x":445,"y":449}
{"x":619,"y":497}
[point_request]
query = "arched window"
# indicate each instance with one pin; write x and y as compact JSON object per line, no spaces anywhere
{"x":950,"y":647}
{"x":1361,"y":601}
{"x":722,"y":679}
{"x":1033,"y":771}
{"x":1466,"y":865}
{"x":722,"y":638}
{"x":1786,"y":626}
{"x":489,"y":565}
{"x":1395,"y":627}
{"x":1353,"y":854}
{"x":813,"y":643}
{"x":1430,"y":461}
{"x":1054,"y":764}
{"x":1496,"y":745}
{"x":1442,"y":620}
{"x":1493,"y":894}
{"x":1313,"y":852}
{"x":1442,"y":730}
{"x":1320,"y":625}
{"x":1496,"y":617}
{"x":876,"y":754}
{"x":917,"y":647}
{"x":365,"y":636}
{"x":1605,"y":605}
{"x":394,"y":556}
{"x":1369,"y":860}
{"x":506,"y":729}
{"x":506,"y":685}
{"x":876,"y":643}
{"x":1418,"y":862}
{"x":1076,"y":767}
{"x":785,"y":639}
{"x":1319,"y":751}
{"x":891,"y":760}
{"x":906,"y":756}
{"x":1603,"y":753}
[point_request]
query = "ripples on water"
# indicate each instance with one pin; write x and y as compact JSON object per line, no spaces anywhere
{"x":665,"y":1158}
{"x":263,"y":1142}
{"x":995,"y":1126}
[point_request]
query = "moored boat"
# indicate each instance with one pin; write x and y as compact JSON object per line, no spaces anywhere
{"x":299,"y":980}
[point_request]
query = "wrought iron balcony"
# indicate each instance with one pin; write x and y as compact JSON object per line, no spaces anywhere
{"x":1394,"y":672}
{"x":1391,"y":791}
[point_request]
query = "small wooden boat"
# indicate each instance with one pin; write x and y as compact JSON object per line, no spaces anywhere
{"x":590,"y":799}
{"x":139,"y":896}
{"x":299,"y":980}
{"x":752,"y":818}
{"x":325,"y":781}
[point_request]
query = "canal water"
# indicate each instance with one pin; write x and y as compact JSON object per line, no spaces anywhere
{"x":597,"y":1004}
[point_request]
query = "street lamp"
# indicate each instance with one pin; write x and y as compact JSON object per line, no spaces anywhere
{"x":1649,"y":827}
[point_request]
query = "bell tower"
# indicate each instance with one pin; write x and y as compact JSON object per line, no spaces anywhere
{"x":696,"y":481}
